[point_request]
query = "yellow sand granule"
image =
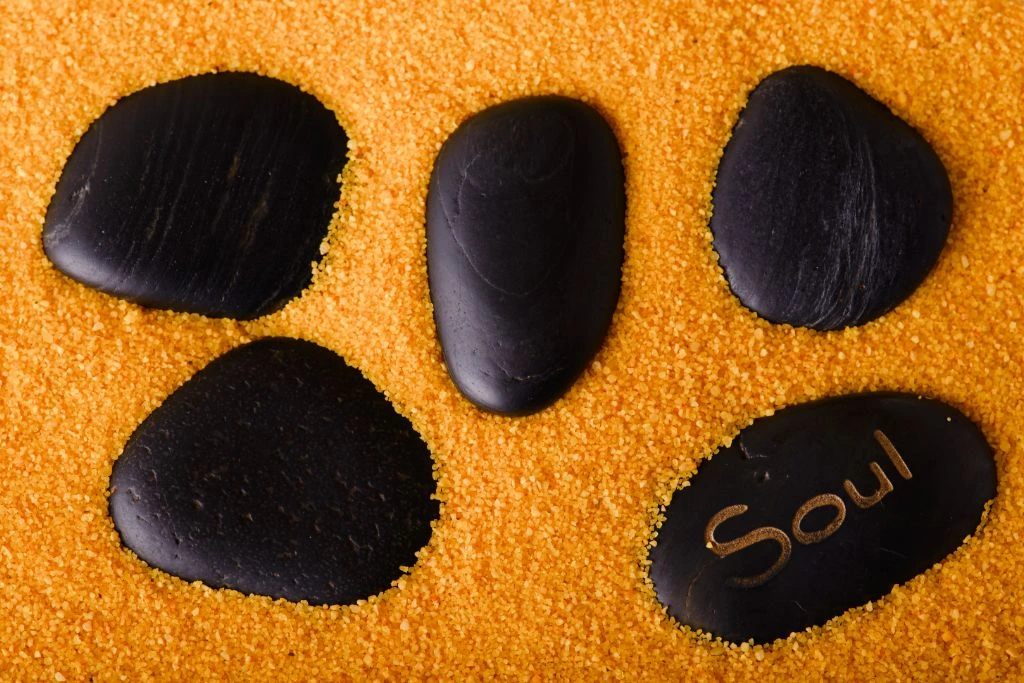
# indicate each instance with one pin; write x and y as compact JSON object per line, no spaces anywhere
{"x":535,"y":569}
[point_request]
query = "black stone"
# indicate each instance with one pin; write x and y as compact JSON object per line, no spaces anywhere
{"x":525,"y":227}
{"x":782,"y":462}
{"x":277,"y":470}
{"x":828,"y":209}
{"x":209,"y":194}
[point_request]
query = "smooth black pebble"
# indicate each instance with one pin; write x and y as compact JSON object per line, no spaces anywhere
{"x":525,"y":228}
{"x":829,"y":210}
{"x":210,"y":194}
{"x":817,"y":509}
{"x":277,"y":470}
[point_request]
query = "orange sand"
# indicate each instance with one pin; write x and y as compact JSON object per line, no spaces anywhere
{"x":535,"y":568}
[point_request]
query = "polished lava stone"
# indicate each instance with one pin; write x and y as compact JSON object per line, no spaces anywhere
{"x":860,"y":492}
{"x":277,"y":470}
{"x":828,"y":209}
{"x":209,"y":194}
{"x":525,"y":227}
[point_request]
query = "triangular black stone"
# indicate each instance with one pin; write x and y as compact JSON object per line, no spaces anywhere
{"x":828,"y":209}
{"x":277,"y":470}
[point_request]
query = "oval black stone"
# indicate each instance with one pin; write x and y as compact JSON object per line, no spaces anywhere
{"x":209,"y":194}
{"x":525,"y":228}
{"x":829,"y":210}
{"x":277,"y":470}
{"x":861,"y":492}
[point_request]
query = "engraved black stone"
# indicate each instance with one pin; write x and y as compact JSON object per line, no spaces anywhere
{"x":277,"y":470}
{"x":209,"y":194}
{"x":807,"y":453}
{"x":828,"y":209}
{"x":525,"y":227}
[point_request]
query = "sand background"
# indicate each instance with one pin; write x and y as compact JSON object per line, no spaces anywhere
{"x":535,"y":569}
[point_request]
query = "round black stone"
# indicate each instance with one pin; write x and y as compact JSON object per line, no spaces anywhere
{"x":525,"y":227}
{"x":817,"y":509}
{"x":277,"y":470}
{"x":209,"y":194}
{"x":829,"y":210}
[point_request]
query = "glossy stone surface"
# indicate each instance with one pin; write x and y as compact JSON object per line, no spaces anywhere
{"x":525,"y":228}
{"x":277,"y":470}
{"x":828,"y":209}
{"x":209,"y":194}
{"x":831,"y":519}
